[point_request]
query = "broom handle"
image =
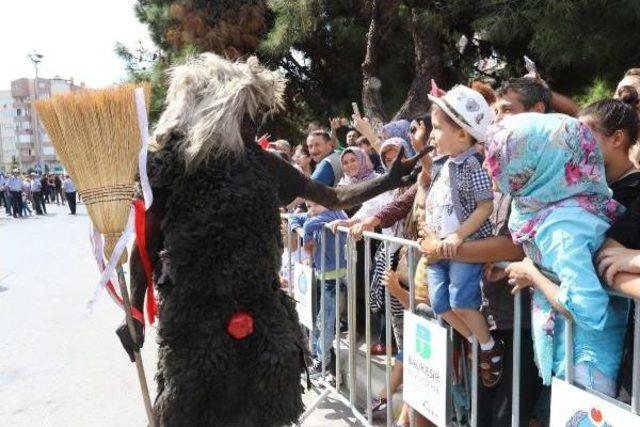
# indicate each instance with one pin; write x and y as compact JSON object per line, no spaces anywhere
{"x":138,"y":358}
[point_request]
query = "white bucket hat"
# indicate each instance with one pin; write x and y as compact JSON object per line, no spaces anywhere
{"x":467,"y":108}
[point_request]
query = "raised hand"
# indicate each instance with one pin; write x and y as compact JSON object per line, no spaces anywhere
{"x":403,"y":171}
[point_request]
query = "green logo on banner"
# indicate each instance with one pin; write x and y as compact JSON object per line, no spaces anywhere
{"x":303,"y":286}
{"x":423,"y":341}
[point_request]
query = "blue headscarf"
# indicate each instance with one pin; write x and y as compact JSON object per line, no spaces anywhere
{"x":548,"y":162}
{"x":398,"y":129}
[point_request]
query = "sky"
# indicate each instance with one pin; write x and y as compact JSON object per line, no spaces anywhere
{"x":76,"y":37}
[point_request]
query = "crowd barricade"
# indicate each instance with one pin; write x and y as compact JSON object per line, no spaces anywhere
{"x":364,"y":414}
{"x":572,"y":401}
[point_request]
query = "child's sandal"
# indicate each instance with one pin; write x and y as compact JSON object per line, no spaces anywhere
{"x":491,"y":364}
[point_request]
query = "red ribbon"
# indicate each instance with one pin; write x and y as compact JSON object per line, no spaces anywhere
{"x":135,"y":313}
{"x":141,"y":243}
{"x":263,"y":142}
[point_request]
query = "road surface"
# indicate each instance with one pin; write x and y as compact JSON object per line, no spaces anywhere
{"x":60,"y":364}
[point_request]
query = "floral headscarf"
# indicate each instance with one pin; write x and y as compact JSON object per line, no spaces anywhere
{"x":546,"y":161}
{"x":365,"y":168}
{"x":398,"y":129}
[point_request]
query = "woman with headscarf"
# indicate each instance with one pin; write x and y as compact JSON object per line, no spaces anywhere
{"x":553,"y":168}
{"x":397,"y":129}
{"x":356,"y":168}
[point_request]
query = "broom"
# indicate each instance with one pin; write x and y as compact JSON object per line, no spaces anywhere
{"x":97,"y":136}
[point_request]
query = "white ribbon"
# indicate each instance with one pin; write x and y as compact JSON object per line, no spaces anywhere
{"x":109,"y":271}
{"x":143,"y":125}
{"x":97,"y":244}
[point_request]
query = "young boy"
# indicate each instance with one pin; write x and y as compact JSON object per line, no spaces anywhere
{"x":457,"y":208}
{"x":309,"y":226}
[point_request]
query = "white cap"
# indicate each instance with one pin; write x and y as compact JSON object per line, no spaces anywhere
{"x":467,"y":108}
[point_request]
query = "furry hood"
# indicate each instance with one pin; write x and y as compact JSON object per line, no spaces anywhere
{"x":207,"y":100}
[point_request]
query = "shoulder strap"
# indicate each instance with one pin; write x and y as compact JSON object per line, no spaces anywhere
{"x":334,"y":161}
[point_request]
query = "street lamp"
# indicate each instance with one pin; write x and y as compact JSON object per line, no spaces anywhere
{"x":36,"y":58}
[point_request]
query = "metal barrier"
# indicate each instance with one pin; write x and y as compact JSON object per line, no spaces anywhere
{"x":634,"y":408}
{"x":364,"y":415}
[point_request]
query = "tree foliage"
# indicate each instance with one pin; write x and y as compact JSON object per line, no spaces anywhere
{"x":320,"y":45}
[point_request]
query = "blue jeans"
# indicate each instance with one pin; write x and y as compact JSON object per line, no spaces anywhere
{"x":322,"y":351}
{"x":454,"y":284}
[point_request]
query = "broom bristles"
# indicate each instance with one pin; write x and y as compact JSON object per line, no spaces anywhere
{"x":96,"y":135}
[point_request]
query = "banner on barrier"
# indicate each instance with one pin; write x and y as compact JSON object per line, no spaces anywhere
{"x":425,"y":367}
{"x":303,"y":293}
{"x":574,"y":407}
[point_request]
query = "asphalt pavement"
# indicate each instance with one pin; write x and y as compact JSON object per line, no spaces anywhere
{"x":61,"y":363}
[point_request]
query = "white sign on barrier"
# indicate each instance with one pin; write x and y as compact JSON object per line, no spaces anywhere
{"x":303,"y":293}
{"x":425,"y":367}
{"x":574,"y":407}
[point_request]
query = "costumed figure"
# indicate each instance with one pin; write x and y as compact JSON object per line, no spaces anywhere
{"x":231,"y":350}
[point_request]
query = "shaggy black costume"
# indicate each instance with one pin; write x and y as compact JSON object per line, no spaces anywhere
{"x":213,"y":237}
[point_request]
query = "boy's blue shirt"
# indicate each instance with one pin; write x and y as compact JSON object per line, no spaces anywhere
{"x":312,"y":231}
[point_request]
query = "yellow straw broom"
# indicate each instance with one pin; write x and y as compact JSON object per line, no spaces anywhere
{"x":97,"y":137}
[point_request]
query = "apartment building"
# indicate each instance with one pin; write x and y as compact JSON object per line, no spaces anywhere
{"x":8,"y":140}
{"x":33,"y":148}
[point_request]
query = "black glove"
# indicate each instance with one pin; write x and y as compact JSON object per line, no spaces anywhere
{"x":403,"y":171}
{"x":125,"y":337}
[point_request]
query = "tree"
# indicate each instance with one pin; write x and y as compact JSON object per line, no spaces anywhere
{"x":371,"y":83}
{"x":384,"y":53}
{"x":573,"y":41}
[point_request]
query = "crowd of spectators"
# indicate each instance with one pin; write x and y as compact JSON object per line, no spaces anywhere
{"x":24,"y":195}
{"x":524,"y":192}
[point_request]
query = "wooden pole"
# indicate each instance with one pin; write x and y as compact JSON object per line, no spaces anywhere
{"x":138,"y":358}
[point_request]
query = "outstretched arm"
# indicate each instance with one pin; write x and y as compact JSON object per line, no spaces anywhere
{"x":292,"y":183}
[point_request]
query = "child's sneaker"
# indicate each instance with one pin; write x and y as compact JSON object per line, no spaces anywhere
{"x":379,"y":407}
{"x":491,"y":364}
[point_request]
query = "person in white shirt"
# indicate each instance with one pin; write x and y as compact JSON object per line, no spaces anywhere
{"x":70,"y":192}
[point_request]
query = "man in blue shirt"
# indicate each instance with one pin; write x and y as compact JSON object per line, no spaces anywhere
{"x":15,"y":188}
{"x":328,"y":169}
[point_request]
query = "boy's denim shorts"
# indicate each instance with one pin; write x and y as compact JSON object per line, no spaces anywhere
{"x":454,"y":285}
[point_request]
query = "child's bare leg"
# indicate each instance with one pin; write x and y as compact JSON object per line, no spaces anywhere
{"x":396,"y":379}
{"x":475,"y":321}
{"x":457,"y":323}
{"x":490,"y":359}
{"x":403,"y":418}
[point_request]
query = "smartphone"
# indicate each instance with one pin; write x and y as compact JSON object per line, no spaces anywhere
{"x":356,"y":110}
{"x":530,"y":66}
